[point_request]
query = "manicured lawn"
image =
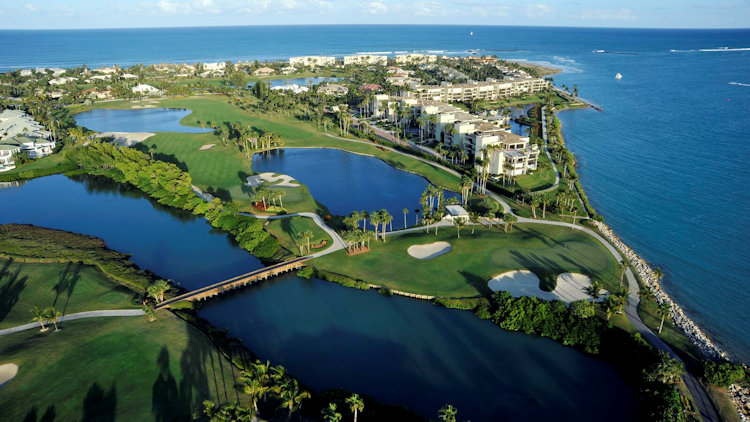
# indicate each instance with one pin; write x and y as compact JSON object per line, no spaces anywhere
{"x":49,"y":162}
{"x":287,"y":229}
{"x":110,"y":369}
{"x":69,"y":288}
{"x":545,"y":250}
{"x":672,"y":335}
{"x":540,"y":179}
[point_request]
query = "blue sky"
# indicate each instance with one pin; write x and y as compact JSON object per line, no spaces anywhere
{"x":34,"y":14}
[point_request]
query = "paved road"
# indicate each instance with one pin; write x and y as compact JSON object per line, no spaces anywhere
{"x":72,"y":317}
{"x":338,"y":242}
{"x":549,"y":156}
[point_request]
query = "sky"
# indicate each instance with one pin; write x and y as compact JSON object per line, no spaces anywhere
{"x":77,"y":14}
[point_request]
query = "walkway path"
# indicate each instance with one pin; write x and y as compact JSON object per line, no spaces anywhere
{"x":72,"y":317}
{"x":338,"y":242}
{"x":549,"y":156}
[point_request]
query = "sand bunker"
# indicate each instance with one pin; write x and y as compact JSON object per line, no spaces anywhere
{"x":207,"y":146}
{"x":429,"y":250}
{"x":572,"y":287}
{"x":143,"y":106}
{"x":285,"y":180}
{"x":7,"y":372}
{"x":126,"y":139}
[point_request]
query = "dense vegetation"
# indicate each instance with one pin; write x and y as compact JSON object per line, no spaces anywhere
{"x":171,"y":186}
{"x":37,"y":244}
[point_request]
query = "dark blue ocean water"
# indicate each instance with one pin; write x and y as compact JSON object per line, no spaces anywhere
{"x":665,"y":162}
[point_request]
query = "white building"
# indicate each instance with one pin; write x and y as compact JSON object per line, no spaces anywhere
{"x":144,"y":89}
{"x":415,"y":58}
{"x":293,"y":88}
{"x":334,"y":90}
{"x":98,"y":78}
{"x":456,"y":212}
{"x":264,"y":71}
{"x":489,"y":90}
{"x":17,"y":122}
{"x":7,"y":152}
{"x":312,"y":61}
{"x":129,"y":76}
{"x":365,"y":59}
{"x":107,"y":70}
{"x":62,"y":81}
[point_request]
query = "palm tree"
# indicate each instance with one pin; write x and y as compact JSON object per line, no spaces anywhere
{"x":416,"y":216}
{"x":667,"y":370}
{"x":253,"y":387}
{"x":356,"y":405}
{"x":535,"y":202}
{"x":291,"y":397}
{"x":509,"y":219}
{"x":375,"y":221}
{"x":52,"y":316}
{"x":459,"y":223}
{"x":623,"y":263}
{"x":39,"y":316}
{"x":157,"y":290}
{"x":664,"y":310}
{"x":594,"y":289}
{"x":658,"y":274}
{"x":330,"y":414}
{"x":448,"y":414}
{"x":305,"y":236}
{"x":385,"y":218}
{"x":474,"y":218}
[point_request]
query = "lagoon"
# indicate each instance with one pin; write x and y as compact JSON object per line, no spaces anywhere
{"x":139,"y":120}
{"x":398,"y":350}
{"x":346,"y":182}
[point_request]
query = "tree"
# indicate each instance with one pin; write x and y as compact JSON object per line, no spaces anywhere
{"x":330,"y":414}
{"x":39,"y":316}
{"x":459,"y":223}
{"x":582,"y":309}
{"x":448,"y":413}
{"x":509,"y":219}
{"x":405,"y":211}
{"x":157,"y":290}
{"x":52,"y":315}
{"x":149,"y":312}
{"x":474,"y":218}
{"x":356,"y":405}
{"x":238,"y":80}
{"x":667,"y":370}
{"x":305,"y":236}
{"x":385,"y":217}
{"x":664,"y":310}
{"x":253,"y":387}
{"x":594,"y":289}
{"x":291,"y":397}
{"x":624,"y":265}
{"x":535,"y":202}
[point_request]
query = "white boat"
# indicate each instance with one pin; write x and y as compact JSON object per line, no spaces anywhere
{"x":598,"y":51}
{"x":618,"y":76}
{"x":471,"y":33}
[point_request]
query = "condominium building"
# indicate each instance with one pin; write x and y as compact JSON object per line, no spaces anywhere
{"x":17,"y":122}
{"x":311,"y":61}
{"x":415,"y":58}
{"x":489,"y":90}
{"x":365,"y":59}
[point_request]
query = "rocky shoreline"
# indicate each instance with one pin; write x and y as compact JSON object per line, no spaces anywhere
{"x":741,"y":399}
{"x":690,"y":328}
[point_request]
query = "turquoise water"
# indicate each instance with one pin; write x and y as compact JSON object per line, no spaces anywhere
{"x":401,"y":351}
{"x":664,"y":162}
{"x":140,"y":120}
{"x":346,"y":182}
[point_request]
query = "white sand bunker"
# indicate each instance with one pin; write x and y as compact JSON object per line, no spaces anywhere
{"x":207,"y":146}
{"x":7,"y":372}
{"x":143,"y":106}
{"x":126,"y":139}
{"x":429,"y":250}
{"x":572,"y":287}
{"x":285,"y":180}
{"x":519,"y":283}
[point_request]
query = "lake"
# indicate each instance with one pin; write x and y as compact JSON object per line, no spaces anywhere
{"x":345,"y":182}
{"x":312,"y":80}
{"x":398,"y":350}
{"x":139,"y":120}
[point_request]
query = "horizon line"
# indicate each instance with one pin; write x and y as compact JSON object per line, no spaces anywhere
{"x":380,"y":24}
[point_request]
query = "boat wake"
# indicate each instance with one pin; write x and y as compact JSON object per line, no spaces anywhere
{"x":711,"y":50}
{"x":738,"y":83}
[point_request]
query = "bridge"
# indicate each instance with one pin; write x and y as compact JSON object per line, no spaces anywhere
{"x":236,"y":282}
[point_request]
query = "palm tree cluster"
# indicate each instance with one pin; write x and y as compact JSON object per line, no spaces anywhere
{"x":267,"y":196}
{"x":46,"y":315}
{"x":357,"y":239}
{"x":245,"y":138}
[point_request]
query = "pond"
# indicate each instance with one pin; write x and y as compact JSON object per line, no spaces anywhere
{"x":345,"y":182}
{"x":139,"y":120}
{"x":398,"y":350}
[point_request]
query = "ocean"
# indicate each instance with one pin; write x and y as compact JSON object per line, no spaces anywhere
{"x":665,"y":162}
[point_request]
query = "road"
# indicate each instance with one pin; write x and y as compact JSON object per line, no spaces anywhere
{"x":72,"y":317}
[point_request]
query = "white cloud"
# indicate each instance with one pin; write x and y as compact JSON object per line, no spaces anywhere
{"x":539,"y":10}
{"x":170,"y":7}
{"x":30,"y":7}
{"x":374,"y":7}
{"x":623,"y":14}
{"x":429,"y":8}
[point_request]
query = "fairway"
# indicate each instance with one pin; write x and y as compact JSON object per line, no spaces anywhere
{"x":286,"y":230}
{"x":70,"y":288}
{"x":545,"y":250}
{"x":113,"y":369}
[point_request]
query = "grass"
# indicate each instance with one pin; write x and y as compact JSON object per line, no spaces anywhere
{"x":671,"y":334}
{"x":113,"y":369}
{"x":69,"y":288}
{"x":222,"y":170}
{"x":540,"y":179}
{"x":287,"y":229}
{"x":44,"y":163}
{"x":545,"y":250}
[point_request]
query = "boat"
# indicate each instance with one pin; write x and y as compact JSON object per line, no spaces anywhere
{"x":598,"y":51}
{"x":618,"y":76}
{"x":471,"y":33}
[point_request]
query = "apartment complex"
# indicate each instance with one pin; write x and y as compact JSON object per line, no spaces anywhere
{"x":19,"y":132}
{"x":415,"y":58}
{"x":311,"y":61}
{"x":509,"y":154}
{"x":489,"y":90}
{"x":365,"y":59}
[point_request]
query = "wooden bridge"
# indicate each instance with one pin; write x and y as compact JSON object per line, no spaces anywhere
{"x":236,"y":282}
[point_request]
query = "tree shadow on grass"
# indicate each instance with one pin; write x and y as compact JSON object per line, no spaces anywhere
{"x":67,"y":280}
{"x":220,"y":193}
{"x":477,"y":282}
{"x":169,"y":158}
{"x":99,"y":406}
{"x":11,"y":288}
{"x":48,"y":416}
{"x":546,"y":269}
